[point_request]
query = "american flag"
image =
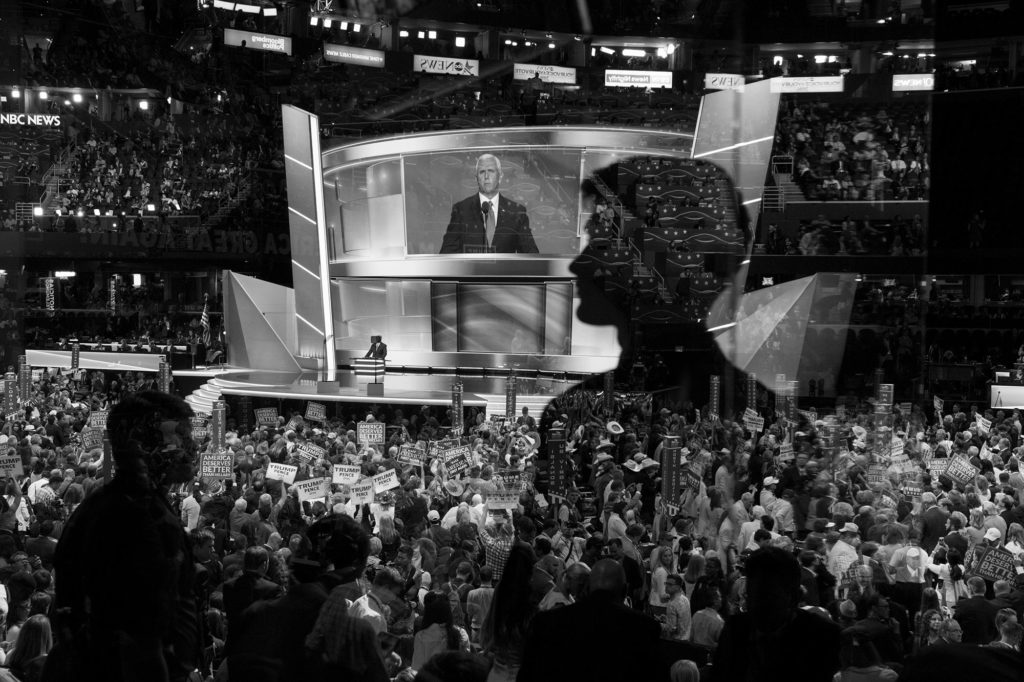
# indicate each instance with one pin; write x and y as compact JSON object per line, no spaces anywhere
{"x":204,"y":321}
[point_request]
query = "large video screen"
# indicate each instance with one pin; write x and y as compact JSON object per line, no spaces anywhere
{"x":531,"y":196}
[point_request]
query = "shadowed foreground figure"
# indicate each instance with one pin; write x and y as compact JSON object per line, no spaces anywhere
{"x":620,"y":643}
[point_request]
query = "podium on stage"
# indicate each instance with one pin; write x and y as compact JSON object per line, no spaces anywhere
{"x":372,"y":370}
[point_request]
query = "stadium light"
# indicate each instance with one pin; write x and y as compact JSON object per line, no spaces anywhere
{"x":551,"y":46}
{"x":15,"y":93}
{"x":662,"y":53}
{"x":327,"y":23}
{"x":270,"y":11}
{"x":630,"y":52}
{"x":403,"y":34}
{"x":151,"y":207}
{"x":607,"y":50}
{"x":432,"y":35}
{"x":67,"y":103}
{"x":508,"y":41}
{"x":460,"y":41}
{"x":96,"y":211}
{"x":144,"y":104}
{"x":356,"y":28}
{"x":43,"y":94}
{"x":671,"y":48}
{"x":344,"y":26}
{"x":37,"y":211}
{"x":313,"y":21}
{"x":76,"y":98}
{"x":64,"y":274}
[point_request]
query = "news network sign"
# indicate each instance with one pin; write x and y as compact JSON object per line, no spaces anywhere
{"x":38,"y":120}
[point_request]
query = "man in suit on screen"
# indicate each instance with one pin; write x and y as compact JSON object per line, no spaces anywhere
{"x":488,"y":222}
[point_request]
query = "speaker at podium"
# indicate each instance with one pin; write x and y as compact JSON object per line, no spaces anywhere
{"x":371,"y":367}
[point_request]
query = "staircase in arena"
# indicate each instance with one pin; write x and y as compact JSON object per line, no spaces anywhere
{"x":227,"y":207}
{"x":202,"y":399}
{"x":790,"y":190}
{"x":640,"y":267}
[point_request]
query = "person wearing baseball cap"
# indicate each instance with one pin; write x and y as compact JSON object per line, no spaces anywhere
{"x":844,"y":552}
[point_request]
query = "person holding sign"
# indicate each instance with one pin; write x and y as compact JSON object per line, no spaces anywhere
{"x":138,"y":622}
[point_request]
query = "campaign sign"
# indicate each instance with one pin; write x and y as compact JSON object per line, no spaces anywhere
{"x":997,"y":564}
{"x":199,"y":433}
{"x":691,"y":481}
{"x":911,"y":491}
{"x":266,"y":416}
{"x":282,"y":472}
{"x":11,"y":466}
{"x":386,"y":480}
{"x":310,"y":453}
{"x":503,"y":499}
{"x":316,"y":412}
{"x":937,"y":404}
{"x":313,"y":488}
{"x":509,"y":480}
{"x":984,"y":425}
{"x":785,"y":452}
{"x":216,"y":466}
{"x":457,"y":460}
{"x":876,"y":474}
{"x":368,"y":433}
{"x":410,"y":454}
{"x":91,"y":439}
{"x":961,"y":470}
{"x":345,"y":474}
{"x":362,"y":493}
{"x":755,"y":425}
{"x":98,"y":420}
{"x":937,"y":467}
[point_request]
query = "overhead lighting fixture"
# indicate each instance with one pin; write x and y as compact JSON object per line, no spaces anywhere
{"x":671,"y":48}
{"x":67,"y":103}
{"x":577,"y":37}
{"x":37,"y":211}
{"x":64,"y":274}
{"x":551,"y":46}
{"x":76,"y":98}
{"x":432,"y":35}
{"x":96,"y":211}
{"x":508,"y":41}
{"x":593,"y":51}
{"x":344,"y":26}
{"x":151,"y":207}
{"x":144,"y":104}
{"x":662,"y":53}
{"x":630,"y":52}
{"x":270,"y":11}
{"x":43,"y":94}
{"x":423,"y":34}
{"x":887,"y":53}
{"x":80,"y":213}
{"x":327,"y":23}
{"x":460,"y":41}
{"x":403,"y":34}
{"x":356,"y":28}
{"x":313,"y":21}
{"x":607,"y":50}
{"x":15,"y":93}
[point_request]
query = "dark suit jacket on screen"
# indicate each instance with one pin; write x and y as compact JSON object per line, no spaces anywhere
{"x":465,"y":232}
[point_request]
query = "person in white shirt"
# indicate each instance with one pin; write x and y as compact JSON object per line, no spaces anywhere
{"x":191,"y":507}
{"x":844,"y":553}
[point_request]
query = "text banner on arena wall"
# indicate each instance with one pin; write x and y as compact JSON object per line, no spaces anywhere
{"x":258,"y":41}
{"x":787,"y":85}
{"x":547,"y":72}
{"x":724,"y":81}
{"x":909,"y":82}
{"x":616,"y":78}
{"x":360,"y":56}
{"x":445,"y":65}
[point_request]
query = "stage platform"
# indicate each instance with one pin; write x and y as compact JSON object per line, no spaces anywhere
{"x":399,"y":389}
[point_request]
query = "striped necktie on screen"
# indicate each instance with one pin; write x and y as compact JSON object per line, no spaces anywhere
{"x":488,"y":222}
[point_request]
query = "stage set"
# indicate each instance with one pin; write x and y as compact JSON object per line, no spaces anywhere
{"x":391,"y":238}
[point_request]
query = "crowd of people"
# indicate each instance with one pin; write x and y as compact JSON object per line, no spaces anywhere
{"x":889,"y":540}
{"x":856,"y":152}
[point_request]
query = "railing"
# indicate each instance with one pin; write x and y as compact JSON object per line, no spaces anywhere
{"x":773,"y":199}
{"x":620,"y":212}
{"x":782,"y":164}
